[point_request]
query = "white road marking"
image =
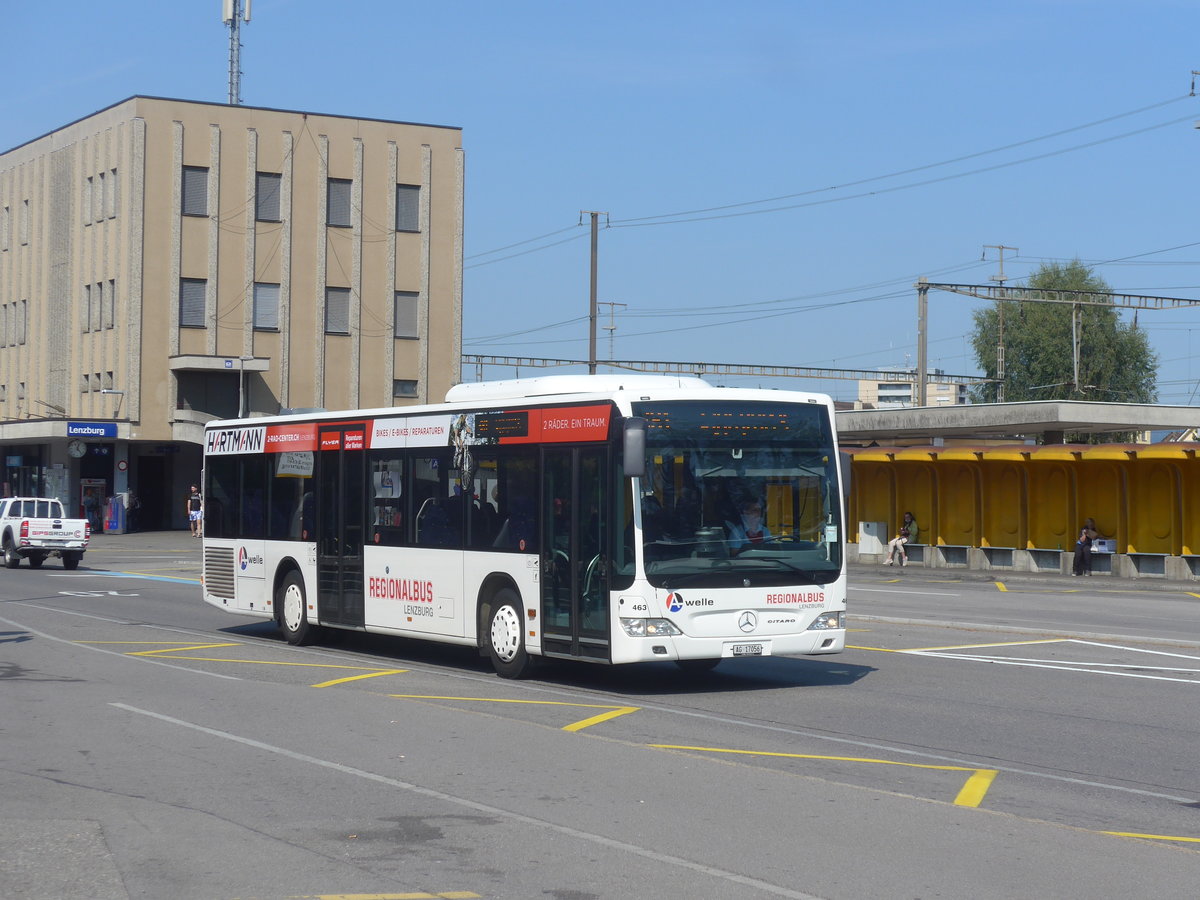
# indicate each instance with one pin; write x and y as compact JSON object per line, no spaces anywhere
{"x":591,"y":837}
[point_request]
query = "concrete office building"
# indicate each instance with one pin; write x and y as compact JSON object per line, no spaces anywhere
{"x":166,"y":262}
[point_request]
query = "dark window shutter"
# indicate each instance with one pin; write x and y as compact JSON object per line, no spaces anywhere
{"x":195,"y":191}
{"x":337,"y":310}
{"x":408,"y":207}
{"x":191,"y":302}
{"x":339,"y":201}
{"x":267,"y":196}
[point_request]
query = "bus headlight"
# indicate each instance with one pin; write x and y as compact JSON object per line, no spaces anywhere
{"x":828,"y":620}
{"x":649,"y":627}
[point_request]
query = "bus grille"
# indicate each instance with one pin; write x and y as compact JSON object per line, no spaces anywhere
{"x":218,"y":572}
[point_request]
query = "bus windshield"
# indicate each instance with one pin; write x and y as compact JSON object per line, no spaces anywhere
{"x":739,"y":494}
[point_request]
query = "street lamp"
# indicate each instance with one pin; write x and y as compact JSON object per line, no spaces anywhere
{"x":120,"y":395}
{"x":242,"y":384}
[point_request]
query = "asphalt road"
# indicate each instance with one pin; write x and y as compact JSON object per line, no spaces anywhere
{"x":976,"y":740}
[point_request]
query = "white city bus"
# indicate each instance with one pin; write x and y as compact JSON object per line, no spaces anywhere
{"x":595,"y":518}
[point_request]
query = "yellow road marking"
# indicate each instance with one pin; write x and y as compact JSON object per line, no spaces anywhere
{"x":977,"y":785}
{"x":972,"y":792}
{"x":1153,"y":837}
{"x":603,"y":717}
{"x":1192,"y":594}
{"x":360,"y":677}
{"x":370,"y":673}
{"x":613,"y":711}
{"x":1000,"y":585}
{"x":172,"y":645}
{"x":982,"y":646}
{"x":878,"y":649}
{"x":179,"y":649}
{"x":166,"y":577}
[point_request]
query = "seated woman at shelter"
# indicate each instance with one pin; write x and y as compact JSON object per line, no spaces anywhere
{"x":908,"y":534}
{"x":1083,"y":548}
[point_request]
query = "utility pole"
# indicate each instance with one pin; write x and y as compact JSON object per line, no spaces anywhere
{"x":592,"y":302}
{"x":233,"y":12}
{"x":922,"y":341}
{"x":611,"y":327}
{"x":1000,"y":313}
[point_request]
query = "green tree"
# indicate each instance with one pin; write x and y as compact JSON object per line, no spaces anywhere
{"x":1116,"y":363}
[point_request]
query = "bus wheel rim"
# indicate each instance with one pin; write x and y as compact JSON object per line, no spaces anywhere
{"x":293,"y":608}
{"x":506,"y":633}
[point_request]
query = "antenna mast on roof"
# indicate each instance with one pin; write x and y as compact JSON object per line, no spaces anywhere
{"x":233,"y":12}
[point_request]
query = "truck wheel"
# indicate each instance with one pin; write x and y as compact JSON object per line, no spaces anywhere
{"x":506,"y":635}
{"x":70,"y":560}
{"x":36,"y":560}
{"x":293,"y":610}
{"x":12,"y":558}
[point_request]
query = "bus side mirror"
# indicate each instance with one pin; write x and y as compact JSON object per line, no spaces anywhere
{"x":635,"y":447}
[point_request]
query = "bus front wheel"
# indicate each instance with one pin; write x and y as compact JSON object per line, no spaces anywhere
{"x":506,"y":635}
{"x":293,"y":613}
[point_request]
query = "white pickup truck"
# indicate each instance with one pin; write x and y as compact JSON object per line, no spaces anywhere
{"x":34,"y":528}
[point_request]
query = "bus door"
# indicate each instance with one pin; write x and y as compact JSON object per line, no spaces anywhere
{"x":341,"y":513}
{"x":575,"y":564}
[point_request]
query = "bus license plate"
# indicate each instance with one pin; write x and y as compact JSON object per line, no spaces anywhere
{"x":747,"y":650}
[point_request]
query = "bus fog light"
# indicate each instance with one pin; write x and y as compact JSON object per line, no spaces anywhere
{"x":825,"y":621}
{"x":649,"y":627}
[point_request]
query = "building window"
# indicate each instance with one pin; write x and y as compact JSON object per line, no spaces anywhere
{"x":408,"y":207}
{"x":407,"y":324}
{"x":191,"y":302}
{"x":404,"y":387}
{"x":337,"y":310}
{"x":107,"y":381}
{"x":5,"y":228}
{"x":85,"y":384}
{"x":266,"y":306}
{"x":24,"y":222}
{"x":22,"y":320}
{"x":102,"y":190}
{"x":109,"y":313}
{"x":96,"y":308}
{"x":20,"y":390}
{"x":88,"y":190}
{"x":86,"y":311}
{"x":266,"y":196}
{"x":339,"y":202}
{"x":111,"y":208}
{"x":195,"y":191}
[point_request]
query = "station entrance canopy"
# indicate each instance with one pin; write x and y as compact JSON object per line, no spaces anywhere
{"x":1045,"y":419}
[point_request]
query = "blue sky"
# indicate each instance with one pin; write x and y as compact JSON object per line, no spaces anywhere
{"x":778,"y":128}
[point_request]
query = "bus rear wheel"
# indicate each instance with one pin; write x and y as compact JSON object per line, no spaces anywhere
{"x":293,"y":612}
{"x":506,"y":635}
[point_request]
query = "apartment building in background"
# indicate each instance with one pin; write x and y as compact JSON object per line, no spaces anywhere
{"x":881,"y":394}
{"x":166,"y":262}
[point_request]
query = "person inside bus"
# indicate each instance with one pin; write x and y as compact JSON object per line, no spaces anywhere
{"x":749,"y":530}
